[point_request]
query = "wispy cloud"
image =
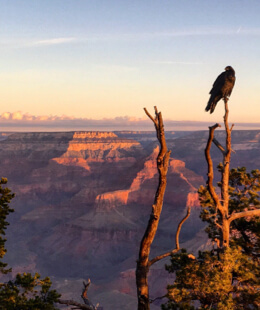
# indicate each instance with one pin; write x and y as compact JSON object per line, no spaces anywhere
{"x":116,"y":68}
{"x":25,"y":43}
{"x":176,"y":63}
{"x":135,"y":36}
{"x":175,"y":33}
{"x":209,"y":31}
{"x":54,"y":41}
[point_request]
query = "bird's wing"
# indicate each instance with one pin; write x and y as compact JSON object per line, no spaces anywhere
{"x":233,"y":80}
{"x":219,"y":83}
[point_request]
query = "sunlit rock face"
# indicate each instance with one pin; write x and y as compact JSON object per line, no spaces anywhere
{"x":144,"y":185}
{"x":97,"y":146}
{"x":83,"y":200}
{"x":193,"y":200}
{"x":109,"y":200}
{"x":82,"y":203}
{"x":90,"y":149}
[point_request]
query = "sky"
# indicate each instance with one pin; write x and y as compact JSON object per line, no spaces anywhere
{"x":90,"y":61}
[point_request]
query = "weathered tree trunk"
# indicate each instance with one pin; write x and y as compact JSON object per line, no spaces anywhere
{"x":224,"y":242}
{"x":143,"y":263}
{"x":222,"y":205}
{"x":88,"y":305}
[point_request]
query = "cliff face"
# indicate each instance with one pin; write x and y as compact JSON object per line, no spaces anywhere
{"x":82,"y":203}
{"x":190,"y":148}
{"x":100,"y":147}
{"x":144,"y":185}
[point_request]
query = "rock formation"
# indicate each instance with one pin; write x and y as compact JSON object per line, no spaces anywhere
{"x":82,"y":199}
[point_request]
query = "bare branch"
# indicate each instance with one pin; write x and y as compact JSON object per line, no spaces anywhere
{"x":87,"y":303}
{"x":217,"y":224}
{"x":157,"y":298}
{"x":179,"y":228}
{"x":150,"y":116}
{"x":218,"y":145}
{"x":76,"y":304}
{"x":84,"y":294}
{"x":249,"y":213}
{"x":177,"y":246}
{"x":211,"y":189}
{"x":159,"y":257}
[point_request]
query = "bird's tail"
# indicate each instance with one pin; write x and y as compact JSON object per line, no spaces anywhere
{"x":212,"y":103}
{"x":208,"y":107}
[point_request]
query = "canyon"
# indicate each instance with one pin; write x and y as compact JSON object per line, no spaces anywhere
{"x":83,"y":200}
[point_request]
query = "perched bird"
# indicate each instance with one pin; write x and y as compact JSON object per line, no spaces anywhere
{"x":222,"y":88}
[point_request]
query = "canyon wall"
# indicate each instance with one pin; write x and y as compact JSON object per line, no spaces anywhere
{"x":83,"y":201}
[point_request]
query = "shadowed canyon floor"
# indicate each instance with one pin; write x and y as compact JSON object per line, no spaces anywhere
{"x":83,"y":200}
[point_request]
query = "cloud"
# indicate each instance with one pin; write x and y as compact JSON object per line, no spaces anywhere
{"x":54,"y":41}
{"x":209,"y":31}
{"x":134,"y":36}
{"x":18,"y":121}
{"x":201,"y":31}
{"x":248,"y":31}
{"x":176,"y":63}
{"x":116,"y":68}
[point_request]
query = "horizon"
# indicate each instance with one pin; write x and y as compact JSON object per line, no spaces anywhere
{"x":63,"y":124}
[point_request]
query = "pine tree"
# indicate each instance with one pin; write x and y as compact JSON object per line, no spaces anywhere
{"x":26,"y":291}
{"x":228,"y":277}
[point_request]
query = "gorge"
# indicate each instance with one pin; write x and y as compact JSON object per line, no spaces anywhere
{"x":83,"y":200}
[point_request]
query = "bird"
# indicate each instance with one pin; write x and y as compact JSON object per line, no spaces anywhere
{"x":222,"y":88}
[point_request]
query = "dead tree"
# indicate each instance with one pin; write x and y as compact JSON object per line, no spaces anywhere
{"x":222,"y":203}
{"x":143,"y":262}
{"x":88,"y":305}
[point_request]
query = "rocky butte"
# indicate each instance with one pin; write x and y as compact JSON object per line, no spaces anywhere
{"x":83,"y":200}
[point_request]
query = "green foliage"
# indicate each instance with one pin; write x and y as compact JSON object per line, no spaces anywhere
{"x":230,"y":280}
{"x":243,"y":191}
{"x":5,"y":198}
{"x":222,"y":279}
{"x":209,"y":213}
{"x":243,"y":195}
{"x":26,"y":291}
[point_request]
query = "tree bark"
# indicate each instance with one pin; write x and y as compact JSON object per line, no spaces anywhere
{"x":74,"y":303}
{"x":143,"y":263}
{"x":225,"y":182}
{"x":247,"y":213}
{"x":222,"y":205}
{"x":88,"y":305}
{"x":210,"y":185}
{"x":177,"y":244}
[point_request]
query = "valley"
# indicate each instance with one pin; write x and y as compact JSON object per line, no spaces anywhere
{"x":83,"y":200}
